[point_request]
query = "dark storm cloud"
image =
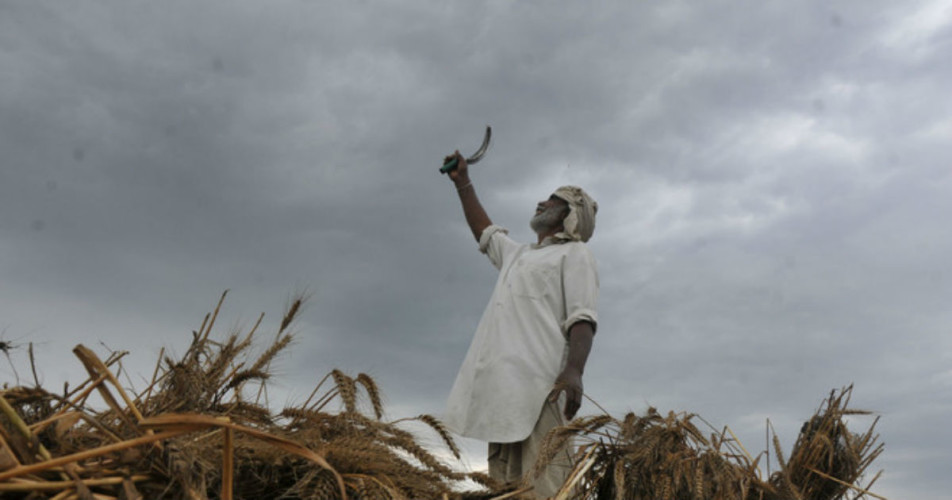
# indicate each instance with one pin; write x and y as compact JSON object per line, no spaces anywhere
{"x":771,"y":178}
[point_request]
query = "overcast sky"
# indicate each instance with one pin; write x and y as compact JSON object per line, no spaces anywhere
{"x":773,"y":179}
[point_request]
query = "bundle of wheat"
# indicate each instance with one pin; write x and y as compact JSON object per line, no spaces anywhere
{"x":827,"y":459}
{"x":200,"y":430}
{"x":668,"y":457}
{"x":650,"y":457}
{"x":203,"y":429}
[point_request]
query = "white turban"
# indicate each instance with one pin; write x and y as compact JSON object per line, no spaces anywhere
{"x":579,"y":224}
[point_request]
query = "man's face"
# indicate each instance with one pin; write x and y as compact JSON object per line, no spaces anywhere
{"x":549,"y":215}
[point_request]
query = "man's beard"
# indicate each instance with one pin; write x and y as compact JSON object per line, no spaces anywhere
{"x":547,"y":220}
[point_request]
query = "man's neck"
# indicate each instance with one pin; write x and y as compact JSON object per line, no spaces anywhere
{"x":547,"y":234}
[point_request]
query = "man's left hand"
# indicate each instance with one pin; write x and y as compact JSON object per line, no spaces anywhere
{"x":569,"y":382}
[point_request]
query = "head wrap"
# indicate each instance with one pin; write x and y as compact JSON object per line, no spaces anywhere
{"x":579,"y":224}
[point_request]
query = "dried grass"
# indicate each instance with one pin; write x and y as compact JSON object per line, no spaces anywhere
{"x":198,"y":431}
{"x":659,"y":456}
{"x":827,"y":459}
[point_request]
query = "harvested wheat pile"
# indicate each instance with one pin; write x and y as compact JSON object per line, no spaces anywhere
{"x":668,"y":457}
{"x":200,"y":431}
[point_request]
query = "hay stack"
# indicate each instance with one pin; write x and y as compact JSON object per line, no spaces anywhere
{"x":655,"y":457}
{"x":200,"y":431}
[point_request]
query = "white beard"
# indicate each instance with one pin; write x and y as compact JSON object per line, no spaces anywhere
{"x":547,"y":220}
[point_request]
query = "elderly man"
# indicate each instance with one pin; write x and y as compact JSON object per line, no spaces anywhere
{"x":533,"y":340}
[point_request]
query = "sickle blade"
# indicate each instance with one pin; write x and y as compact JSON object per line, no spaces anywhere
{"x":478,"y":155}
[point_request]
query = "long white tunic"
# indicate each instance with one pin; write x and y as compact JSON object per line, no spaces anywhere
{"x":521,"y":342}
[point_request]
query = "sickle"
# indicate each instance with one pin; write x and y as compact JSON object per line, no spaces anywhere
{"x":450,"y":165}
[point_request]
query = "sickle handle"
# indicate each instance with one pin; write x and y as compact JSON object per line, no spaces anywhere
{"x":450,"y":165}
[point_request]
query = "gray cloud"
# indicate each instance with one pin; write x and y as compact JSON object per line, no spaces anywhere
{"x":772,"y":180}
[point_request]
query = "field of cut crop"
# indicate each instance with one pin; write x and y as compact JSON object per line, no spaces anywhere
{"x":200,"y":430}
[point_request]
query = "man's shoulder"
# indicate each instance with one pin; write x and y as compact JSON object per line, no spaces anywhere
{"x":576,"y":247}
{"x":579,"y":254}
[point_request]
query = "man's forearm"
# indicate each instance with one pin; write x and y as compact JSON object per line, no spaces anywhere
{"x":570,"y":380}
{"x":580,"y":344}
{"x":476,"y":216}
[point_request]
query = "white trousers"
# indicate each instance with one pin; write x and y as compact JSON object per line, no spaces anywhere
{"x":514,"y":462}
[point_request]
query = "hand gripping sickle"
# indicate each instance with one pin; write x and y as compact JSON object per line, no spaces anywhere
{"x":450,"y":165}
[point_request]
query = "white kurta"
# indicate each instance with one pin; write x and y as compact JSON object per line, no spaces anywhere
{"x":521,"y":342}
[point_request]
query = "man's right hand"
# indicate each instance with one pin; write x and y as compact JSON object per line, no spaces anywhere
{"x":460,"y":174}
{"x":476,"y":217}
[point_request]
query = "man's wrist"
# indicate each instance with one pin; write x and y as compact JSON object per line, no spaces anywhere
{"x":572,"y":370}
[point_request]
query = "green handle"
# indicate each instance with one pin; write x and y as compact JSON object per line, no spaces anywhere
{"x":450,"y":165}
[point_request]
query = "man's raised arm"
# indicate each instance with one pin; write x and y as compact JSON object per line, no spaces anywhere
{"x":473,"y":210}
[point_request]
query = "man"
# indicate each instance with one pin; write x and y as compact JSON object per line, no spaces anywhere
{"x":533,"y":340}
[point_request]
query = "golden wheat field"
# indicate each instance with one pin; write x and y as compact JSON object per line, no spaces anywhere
{"x":199,"y":430}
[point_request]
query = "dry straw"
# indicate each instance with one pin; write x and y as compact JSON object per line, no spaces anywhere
{"x":667,"y":457}
{"x":202,"y":429}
